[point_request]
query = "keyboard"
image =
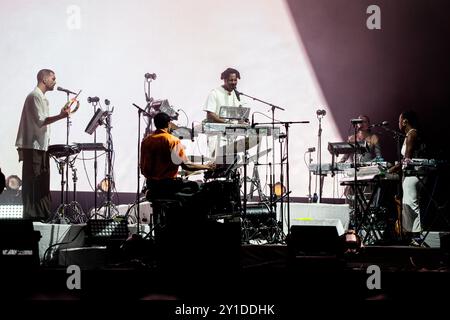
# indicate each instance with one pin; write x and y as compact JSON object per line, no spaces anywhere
{"x":368,"y":173}
{"x":91,"y":146}
{"x":423,"y":167}
{"x":342,"y":166}
{"x":230,"y":129}
{"x":337,"y":148}
{"x":327,"y":167}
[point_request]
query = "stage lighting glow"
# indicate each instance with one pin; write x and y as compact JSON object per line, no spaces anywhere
{"x":13,"y":182}
{"x":279,"y":189}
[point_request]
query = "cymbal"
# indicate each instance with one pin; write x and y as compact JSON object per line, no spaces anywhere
{"x":196,"y":158}
{"x":183,"y":133}
{"x":186,"y":173}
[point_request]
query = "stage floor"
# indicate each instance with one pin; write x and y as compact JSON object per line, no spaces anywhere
{"x":259,"y":273}
{"x":215,"y":268}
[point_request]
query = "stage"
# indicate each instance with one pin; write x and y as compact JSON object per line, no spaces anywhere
{"x":265,"y":274}
{"x":217,"y":268}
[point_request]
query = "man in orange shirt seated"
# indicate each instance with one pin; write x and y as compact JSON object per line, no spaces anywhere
{"x":161,"y":156}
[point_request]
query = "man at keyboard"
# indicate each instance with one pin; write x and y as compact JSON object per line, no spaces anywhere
{"x":223,"y":96}
{"x":365,"y":134}
{"x":161,"y":156}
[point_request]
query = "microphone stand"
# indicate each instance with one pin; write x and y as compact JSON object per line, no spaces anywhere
{"x":319,"y":155}
{"x":67,"y":161}
{"x":138,"y":192}
{"x":108,"y":127}
{"x":273,"y":107}
{"x":149,"y":100}
{"x":60,"y":212}
{"x":286,"y":158}
{"x":397,"y":137}
{"x":309,"y":178}
{"x":94,"y":105}
{"x":355,"y":179}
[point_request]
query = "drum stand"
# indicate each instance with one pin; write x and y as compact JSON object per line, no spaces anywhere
{"x":255,"y":180}
{"x":72,"y":212}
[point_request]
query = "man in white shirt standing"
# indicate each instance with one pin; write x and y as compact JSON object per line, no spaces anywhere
{"x":32,"y":144}
{"x":223,"y":96}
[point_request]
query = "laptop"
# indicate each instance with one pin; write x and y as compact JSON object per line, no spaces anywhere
{"x":234,"y":113}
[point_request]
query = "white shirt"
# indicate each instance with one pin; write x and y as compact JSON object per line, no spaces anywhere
{"x":217,"y":98}
{"x":220,"y":97}
{"x":32,"y":133}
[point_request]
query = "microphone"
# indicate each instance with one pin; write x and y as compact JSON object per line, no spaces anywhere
{"x":381,"y":124}
{"x":321,"y":112}
{"x":192,"y":131}
{"x":356,"y":121}
{"x":237,"y":94}
{"x":107,"y":102}
{"x":93,"y":99}
{"x":150,"y":76}
{"x":65,"y":90}
{"x":311,"y":149}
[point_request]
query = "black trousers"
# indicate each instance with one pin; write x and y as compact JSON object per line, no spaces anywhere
{"x":36,"y":185}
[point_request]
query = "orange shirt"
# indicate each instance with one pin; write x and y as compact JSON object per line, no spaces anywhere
{"x":161,"y":155}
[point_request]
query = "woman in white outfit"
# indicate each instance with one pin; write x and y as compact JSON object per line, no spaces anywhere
{"x":411,"y":185}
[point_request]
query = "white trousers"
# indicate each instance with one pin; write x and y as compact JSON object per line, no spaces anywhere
{"x":410,"y":204}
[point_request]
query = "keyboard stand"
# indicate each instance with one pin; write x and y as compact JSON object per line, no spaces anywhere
{"x":366,"y":221}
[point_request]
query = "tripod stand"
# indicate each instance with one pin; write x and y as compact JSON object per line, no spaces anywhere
{"x":284,"y":168}
{"x":94,"y":102}
{"x":272,"y":176}
{"x":67,"y":212}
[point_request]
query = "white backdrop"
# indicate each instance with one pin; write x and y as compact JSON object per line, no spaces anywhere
{"x":105,"y":48}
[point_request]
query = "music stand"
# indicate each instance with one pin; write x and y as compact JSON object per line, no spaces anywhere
{"x":95,"y":121}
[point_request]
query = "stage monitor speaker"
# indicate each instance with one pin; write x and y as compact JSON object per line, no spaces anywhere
{"x":107,"y":232}
{"x":19,"y":244}
{"x":315,"y":237}
{"x":11,"y":204}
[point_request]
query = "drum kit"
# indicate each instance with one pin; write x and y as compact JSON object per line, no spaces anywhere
{"x":220,"y":192}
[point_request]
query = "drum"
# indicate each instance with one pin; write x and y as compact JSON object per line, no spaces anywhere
{"x":221,"y":197}
{"x":62,"y":150}
{"x":182,"y":133}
